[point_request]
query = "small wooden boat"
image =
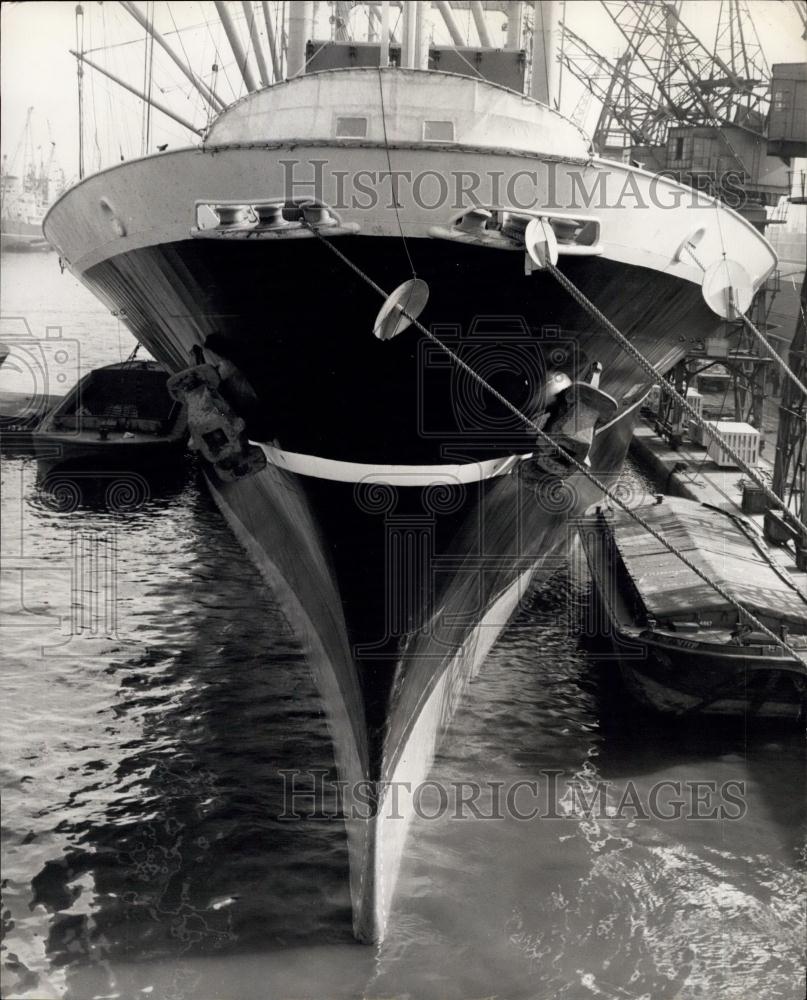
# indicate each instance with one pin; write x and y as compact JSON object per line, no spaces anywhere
{"x":681,"y":646}
{"x":21,"y":413}
{"x":120,"y":414}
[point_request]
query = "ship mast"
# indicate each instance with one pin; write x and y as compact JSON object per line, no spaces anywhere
{"x":138,"y":93}
{"x":255,"y":42}
{"x":545,"y":52}
{"x":207,"y":93}
{"x":383,"y":58}
{"x":274,"y":54}
{"x":301,"y":23}
{"x":532,"y":31}
{"x":451,"y":22}
{"x":240,"y":55}
{"x":478,"y":12}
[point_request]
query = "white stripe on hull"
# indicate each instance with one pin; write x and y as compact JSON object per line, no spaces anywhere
{"x":405,"y":475}
{"x":392,"y":475}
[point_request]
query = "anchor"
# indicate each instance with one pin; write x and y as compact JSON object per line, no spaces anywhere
{"x":576,"y":411}
{"x":234,"y":386}
{"x":216,"y":430}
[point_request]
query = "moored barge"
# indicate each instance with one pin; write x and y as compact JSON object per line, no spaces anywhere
{"x":683,"y":650}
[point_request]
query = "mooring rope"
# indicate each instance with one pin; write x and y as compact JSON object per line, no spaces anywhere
{"x":780,"y":361}
{"x":392,"y":186}
{"x":801,"y":665}
{"x":665,"y":385}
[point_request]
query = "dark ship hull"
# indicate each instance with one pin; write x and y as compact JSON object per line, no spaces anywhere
{"x":399,"y":572}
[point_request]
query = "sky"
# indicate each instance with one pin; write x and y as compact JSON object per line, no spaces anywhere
{"x":37,"y":70}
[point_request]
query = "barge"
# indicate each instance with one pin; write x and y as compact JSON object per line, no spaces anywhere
{"x":683,"y":649}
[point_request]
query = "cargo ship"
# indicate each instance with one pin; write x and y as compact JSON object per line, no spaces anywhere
{"x":396,"y":507}
{"x":27,"y":187}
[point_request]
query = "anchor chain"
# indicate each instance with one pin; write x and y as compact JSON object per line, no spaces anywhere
{"x":579,"y":466}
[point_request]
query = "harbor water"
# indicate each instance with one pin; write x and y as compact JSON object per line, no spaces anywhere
{"x":153,"y":695}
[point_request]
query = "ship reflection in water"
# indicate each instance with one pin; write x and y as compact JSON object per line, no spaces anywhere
{"x":144,"y":850}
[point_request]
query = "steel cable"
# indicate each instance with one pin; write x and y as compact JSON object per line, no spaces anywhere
{"x":801,"y":664}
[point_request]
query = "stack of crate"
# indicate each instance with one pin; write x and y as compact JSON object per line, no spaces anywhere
{"x":742,"y":437}
{"x":695,"y":400}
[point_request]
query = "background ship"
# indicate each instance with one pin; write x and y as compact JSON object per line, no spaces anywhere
{"x":396,"y":507}
{"x":29,"y":182}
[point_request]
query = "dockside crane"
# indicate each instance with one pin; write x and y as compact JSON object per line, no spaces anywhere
{"x":673,"y":104}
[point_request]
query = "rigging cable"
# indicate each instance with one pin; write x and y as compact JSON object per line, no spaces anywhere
{"x":219,"y":62}
{"x":96,"y":143}
{"x":284,"y":48}
{"x":182,"y":46}
{"x":763,"y":340}
{"x":150,"y":82}
{"x":80,"y":75}
{"x":148,"y":65}
{"x":393,"y":186}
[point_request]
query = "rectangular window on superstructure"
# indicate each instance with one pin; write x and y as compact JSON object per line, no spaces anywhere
{"x":351,"y":128}
{"x":780,"y":100}
{"x":438,"y":131}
